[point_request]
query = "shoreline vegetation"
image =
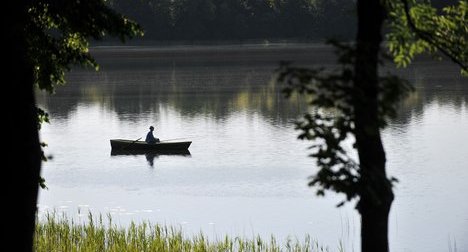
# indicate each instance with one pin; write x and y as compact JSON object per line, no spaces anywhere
{"x":60,"y":233}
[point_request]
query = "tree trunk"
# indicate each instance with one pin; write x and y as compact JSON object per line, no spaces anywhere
{"x":23,"y":152}
{"x":376,"y":194}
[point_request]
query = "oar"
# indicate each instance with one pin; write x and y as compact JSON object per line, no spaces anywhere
{"x":179,"y":138}
{"x":126,"y":146}
{"x":173,"y":139}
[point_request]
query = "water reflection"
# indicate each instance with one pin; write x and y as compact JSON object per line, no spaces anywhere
{"x":151,"y":155}
{"x":192,"y":88}
{"x":204,"y":88}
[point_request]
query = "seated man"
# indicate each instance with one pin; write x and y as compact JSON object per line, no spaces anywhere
{"x":150,"y":138}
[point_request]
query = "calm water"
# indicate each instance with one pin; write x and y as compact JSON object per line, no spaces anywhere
{"x":246,"y":173}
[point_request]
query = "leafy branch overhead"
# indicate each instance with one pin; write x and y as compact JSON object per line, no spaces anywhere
{"x":330,"y":123}
{"x":417,"y":27}
{"x":59,"y":31}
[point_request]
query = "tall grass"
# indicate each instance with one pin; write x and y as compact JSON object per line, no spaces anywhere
{"x":60,"y":233}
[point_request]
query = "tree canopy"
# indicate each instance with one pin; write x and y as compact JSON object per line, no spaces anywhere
{"x":58,"y":35}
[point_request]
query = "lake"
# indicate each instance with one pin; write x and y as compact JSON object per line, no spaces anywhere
{"x":247,"y":173}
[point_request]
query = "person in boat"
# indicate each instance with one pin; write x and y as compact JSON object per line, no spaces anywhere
{"x":150,"y":137}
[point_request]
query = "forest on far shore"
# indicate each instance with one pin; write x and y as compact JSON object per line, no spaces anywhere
{"x":204,"y":20}
{"x":167,"y":20}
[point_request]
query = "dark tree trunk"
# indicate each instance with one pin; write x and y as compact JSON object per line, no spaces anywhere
{"x":23,"y":152}
{"x":376,"y":194}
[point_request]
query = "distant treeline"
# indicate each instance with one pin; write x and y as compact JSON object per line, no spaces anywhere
{"x":241,"y":19}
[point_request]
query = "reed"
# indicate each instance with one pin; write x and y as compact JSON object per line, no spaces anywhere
{"x":60,"y":233}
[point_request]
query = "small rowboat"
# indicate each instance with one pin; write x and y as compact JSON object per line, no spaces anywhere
{"x":150,"y":153}
{"x":122,"y":144}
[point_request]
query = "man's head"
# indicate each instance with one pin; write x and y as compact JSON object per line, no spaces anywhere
{"x":151,"y":128}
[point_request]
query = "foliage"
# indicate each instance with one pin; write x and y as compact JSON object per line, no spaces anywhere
{"x":330,"y":124}
{"x":63,"y":234}
{"x":417,"y":27}
{"x":42,"y":117}
{"x":58,"y":34}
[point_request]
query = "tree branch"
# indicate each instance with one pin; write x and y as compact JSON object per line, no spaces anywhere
{"x":428,"y":37}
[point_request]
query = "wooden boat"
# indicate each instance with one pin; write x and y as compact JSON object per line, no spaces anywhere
{"x":123,"y":152}
{"x":122,"y":144}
